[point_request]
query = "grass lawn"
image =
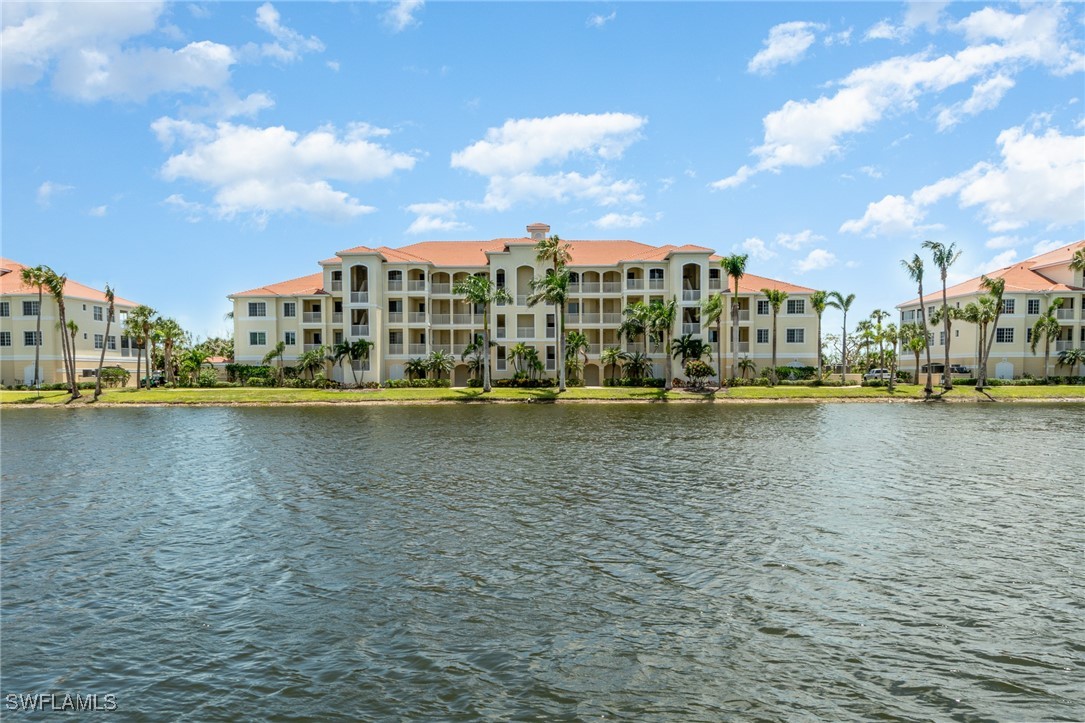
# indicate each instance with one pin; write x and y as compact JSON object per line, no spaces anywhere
{"x":261,"y":395}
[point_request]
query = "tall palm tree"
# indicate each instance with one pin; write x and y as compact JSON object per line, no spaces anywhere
{"x":914,"y":339}
{"x":440,"y":362}
{"x":55,"y":283}
{"x":170,"y":332}
{"x":518,"y":353}
{"x":712,"y":312}
{"x":338,"y":353}
{"x":109,"y":297}
{"x":139,"y":321}
{"x":311,"y":361}
{"x":661,"y":324}
{"x":360,"y":349}
{"x":554,"y":250}
{"x":1048,"y":327}
{"x":635,"y":323}
{"x":914,"y":267}
{"x":37,"y":276}
{"x":1071,"y":358}
{"x":944,"y":257}
{"x":843,"y":303}
{"x":865,"y":331}
{"x":995,"y":289}
{"x":553,"y":288}
{"x":612,"y":357}
{"x":1077,"y":261}
{"x":878,"y":316}
{"x":576,"y":346}
{"x":891,"y":334}
{"x":479,"y":290}
{"x":276,"y":352}
{"x":818,"y":301}
{"x":776,"y":299}
{"x":735,"y":268}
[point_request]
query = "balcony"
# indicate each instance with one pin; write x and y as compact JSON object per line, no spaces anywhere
{"x":395,"y":285}
{"x":525,"y":332}
{"x":743,"y":314}
{"x":743,"y":347}
{"x":574,"y":288}
{"x":572,"y":317}
{"x":416,"y":286}
{"x":1064,"y":314}
{"x":473,"y":319}
{"x":612,"y":318}
{"x":691,"y":294}
{"x":395,"y":349}
{"x":715,"y":284}
{"x":311,"y":347}
{"x":500,"y":332}
{"x":337,"y":285}
{"x":458,"y":349}
{"x":591,"y":318}
{"x":446,"y":348}
{"x":359,"y":329}
{"x":395,"y":317}
{"x":416,"y":349}
{"x":634,"y":284}
{"x":337,"y":317}
{"x":590,"y":287}
{"x":359,"y":297}
{"x":656,"y":284}
{"x":441,"y":319}
{"x":612,"y":287}
{"x":416,"y":317}
{"x":310,"y":317}
{"x":442,"y":289}
{"x":594,"y":349}
{"x":521,"y":299}
{"x":691,"y":327}
{"x":1063,"y":345}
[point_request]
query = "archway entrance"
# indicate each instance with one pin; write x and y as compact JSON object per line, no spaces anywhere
{"x":591,"y":375}
{"x":460,"y":375}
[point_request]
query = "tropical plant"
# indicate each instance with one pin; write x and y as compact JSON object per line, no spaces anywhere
{"x":747,"y":365}
{"x":170,"y":332}
{"x":843,"y":303}
{"x":995,"y":288}
{"x":110,"y":298}
{"x":636,"y":365}
{"x":661,"y":324}
{"x":735,"y":268}
{"x":416,"y":368}
{"x":55,"y":283}
{"x":554,"y":250}
{"x":980,"y":312}
{"x":712,"y":312}
{"x":440,"y":362}
{"x":311,"y":361}
{"x":914,"y":267}
{"x":776,"y":299}
{"x":818,"y":301}
{"x":475,"y":356}
{"x":37,"y":276}
{"x":276,"y":352}
{"x":697,"y":371}
{"x":192,"y":361}
{"x":576,"y":348}
{"x":635,"y":323}
{"x":689,"y":347}
{"x":518,"y":354}
{"x":878,"y":316}
{"x":1077,"y":261}
{"x":138,"y":327}
{"x":1048,"y":327}
{"x":479,"y":290}
{"x":339,"y":352}
{"x":913,"y":337}
{"x":1072,"y":358}
{"x":612,"y":357}
{"x":892,"y":335}
{"x":553,"y":288}
{"x":944,"y":257}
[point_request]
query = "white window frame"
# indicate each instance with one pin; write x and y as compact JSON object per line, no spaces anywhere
{"x":33,"y":305}
{"x":5,"y":338}
{"x":290,"y":338}
{"x":1004,"y":335}
{"x":99,"y":341}
{"x":257,"y":309}
{"x":795,"y":336}
{"x":257,"y":338}
{"x":763,"y":304}
{"x":1009,"y":306}
{"x":31,"y":335}
{"x":290,"y":309}
{"x":764,"y":333}
{"x":796,"y":306}
{"x":1031,"y":305}
{"x":5,"y":308}
{"x":111,"y":343}
{"x":96,"y":312}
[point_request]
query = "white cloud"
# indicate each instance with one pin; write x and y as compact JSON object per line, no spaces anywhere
{"x":871,"y":171}
{"x":891,"y":215}
{"x":619,"y":220}
{"x":98,"y":211}
{"x":290,"y":44}
{"x":985,"y":96}
{"x":1042,"y":247}
{"x":261,"y":171}
{"x":401,"y":15}
{"x":436,"y":216}
{"x":808,"y":132}
{"x":795,"y":241}
{"x":758,"y":249}
{"x":816,"y":260}
{"x":786,"y":43}
{"x":333,"y":64}
{"x":192,"y":210}
{"x":841,"y":38}
{"x":598,"y":21}
{"x":1002,"y":242}
{"x":48,"y":189}
{"x":920,"y":13}
{"x":503,"y":192}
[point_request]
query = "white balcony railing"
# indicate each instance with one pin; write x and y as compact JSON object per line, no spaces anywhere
{"x":458,"y":349}
{"x":441,"y":289}
{"x":1064,"y":313}
{"x":467,"y":319}
{"x":395,"y":349}
{"x":715,"y":284}
{"x":359,"y":329}
{"x":612,"y":287}
{"x":691,"y":328}
{"x":416,"y":286}
{"x":572,"y":317}
{"x":593,"y":349}
{"x":691,"y":294}
{"x":500,"y":332}
{"x":744,"y":347}
{"x":311,"y":347}
{"x":310,"y":317}
{"x":655,"y":284}
{"x":521,"y":299}
{"x":743,"y":314}
{"x":414,"y":349}
{"x":574,"y":288}
{"x":441,"y":319}
{"x":416,"y":317}
{"x":395,"y":285}
{"x":337,"y":317}
{"x":590,"y":287}
{"x":337,"y":285}
{"x":612,"y":318}
{"x":1064,"y":345}
{"x":395,"y":317}
{"x":446,"y":348}
{"x":634,"y":284}
{"x":359,"y":297}
{"x":591,"y":318}
{"x":525,"y":332}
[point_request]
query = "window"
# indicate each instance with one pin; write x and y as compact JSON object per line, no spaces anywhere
{"x":257,"y":338}
{"x":28,"y":338}
{"x":656,"y":274}
{"x":111,"y":343}
{"x":5,"y":338}
{"x":713,"y":338}
{"x":500,"y":278}
{"x":98,"y":313}
{"x":1034,"y":306}
{"x":930,"y":311}
{"x":941,"y":338}
{"x":337,"y":338}
{"x":1004,"y":335}
{"x":1028,"y":336}
{"x":30,"y":308}
{"x":257,"y":308}
{"x":290,"y":338}
{"x":762,"y":336}
{"x":290,"y":309}
{"x":5,"y":308}
{"x":796,"y":306}
{"x":1007,"y":306}
{"x":99,"y":341}
{"x":763,"y":307}
{"x":796,"y":336}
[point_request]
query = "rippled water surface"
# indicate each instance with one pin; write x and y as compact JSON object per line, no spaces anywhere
{"x":843,"y":562}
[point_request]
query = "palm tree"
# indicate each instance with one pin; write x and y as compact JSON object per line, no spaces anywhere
{"x":139,"y":323}
{"x":55,"y":283}
{"x":1077,"y":262}
{"x":915,"y":272}
{"x":193,"y":360}
{"x":338,"y":352}
{"x":109,"y":297}
{"x":519,"y":353}
{"x":635,"y":323}
{"x":440,"y":362}
{"x":475,"y":356}
{"x":612,"y":357}
{"x":689,"y":347}
{"x":553,"y":288}
{"x":170,"y":331}
{"x":576,"y":346}
{"x":712,"y":312}
{"x":843,"y":303}
{"x":479,"y":290}
{"x":865,"y":331}
{"x":995,"y":289}
{"x":554,"y":250}
{"x":416,"y":368}
{"x":276,"y":352}
{"x":1071,"y":358}
{"x":1049,"y":328}
{"x":661,"y":324}
{"x":944,"y":257}
{"x":311,"y":361}
{"x":981,"y":313}
{"x":818,"y":301}
{"x":735,"y":268}
{"x":636,"y":365}
{"x":776,"y":299}
{"x":37,"y":276}
{"x":878,"y":316}
{"x":360,"y":349}
{"x":914,"y":339}
{"x":892,"y":335}
{"x":747,"y":365}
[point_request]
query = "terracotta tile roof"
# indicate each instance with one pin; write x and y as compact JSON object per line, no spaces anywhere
{"x":752,"y":284}
{"x":310,"y":285}
{"x":11,"y":284}
{"x":1021,"y":277}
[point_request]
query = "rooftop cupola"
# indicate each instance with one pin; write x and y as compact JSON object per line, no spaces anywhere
{"x":538,"y":231}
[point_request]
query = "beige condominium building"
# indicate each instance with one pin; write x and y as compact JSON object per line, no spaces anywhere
{"x":402,"y":301}
{"x":1031,"y":286}
{"x":85,"y":306}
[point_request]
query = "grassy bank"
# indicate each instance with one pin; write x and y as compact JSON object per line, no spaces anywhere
{"x":265,"y":396}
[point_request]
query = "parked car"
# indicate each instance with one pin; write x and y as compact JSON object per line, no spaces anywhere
{"x":959,"y":369}
{"x":882,"y":374}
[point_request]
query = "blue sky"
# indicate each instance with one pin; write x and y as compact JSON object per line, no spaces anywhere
{"x":184,"y":151}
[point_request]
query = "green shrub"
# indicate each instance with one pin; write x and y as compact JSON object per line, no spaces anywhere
{"x":416,"y":383}
{"x":206,"y":378}
{"x":115,"y":377}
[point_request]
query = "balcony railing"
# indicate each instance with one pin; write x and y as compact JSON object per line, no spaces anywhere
{"x":655,"y":284}
{"x":359,"y":297}
{"x":500,"y":332}
{"x":612,"y":318}
{"x":442,"y":289}
{"x":591,"y":318}
{"x":359,"y":329}
{"x":416,"y":286}
{"x":395,"y":317}
{"x":441,"y":319}
{"x":337,"y":317}
{"x":1064,"y":313}
{"x":416,"y":317}
{"x":446,"y":348}
{"x":612,"y":287}
{"x":691,"y":294}
{"x":572,"y":317}
{"x":395,"y":349}
{"x":634,"y":284}
{"x":691,"y":328}
{"x":589,"y":287}
{"x":574,"y":288}
{"x":395,"y":285}
{"x":467,"y":318}
{"x":337,"y":285}
{"x":743,"y":314}
{"x":521,"y":299}
{"x":310,"y":317}
{"x":525,"y":332}
{"x":311,"y":347}
{"x":1064,"y":345}
{"x":744,"y":347}
{"x":414,"y":349}
{"x":458,"y":349}
{"x":594,"y":349}
{"x":716,"y":284}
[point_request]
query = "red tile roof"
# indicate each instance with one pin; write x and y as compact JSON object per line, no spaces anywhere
{"x":310,"y":285}
{"x":11,"y":284}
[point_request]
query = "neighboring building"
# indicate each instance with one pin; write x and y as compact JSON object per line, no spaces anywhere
{"x":1031,"y":285}
{"x":402,"y":300}
{"x":85,"y":306}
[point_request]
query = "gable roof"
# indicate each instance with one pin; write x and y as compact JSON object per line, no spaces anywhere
{"x":11,"y":284}
{"x":1022,"y":277}
{"x":311,"y":285}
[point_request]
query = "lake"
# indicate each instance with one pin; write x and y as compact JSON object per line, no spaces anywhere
{"x":550,"y":562}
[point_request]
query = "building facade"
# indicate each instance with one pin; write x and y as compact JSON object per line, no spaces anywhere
{"x":402,"y":300}
{"x":1031,"y":286}
{"x":85,"y":306}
